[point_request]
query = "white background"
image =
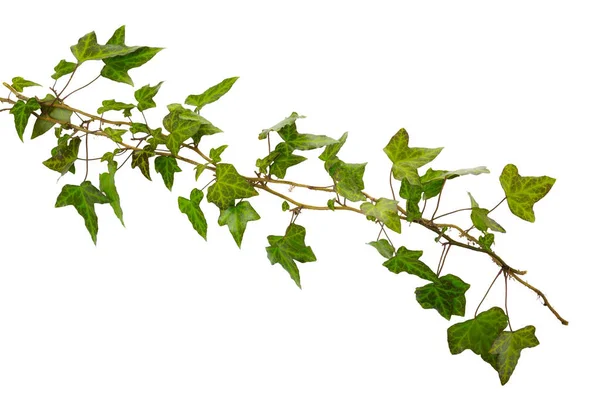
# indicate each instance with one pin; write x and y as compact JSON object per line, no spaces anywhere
{"x":154,"y":312}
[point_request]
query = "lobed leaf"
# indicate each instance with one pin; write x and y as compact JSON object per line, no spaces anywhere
{"x":228,"y":187}
{"x":446,"y":295}
{"x":167,"y":167}
{"x":522,"y":192}
{"x":289,"y":248}
{"x":18,"y":83}
{"x":191,"y":208}
{"x":383,"y":247}
{"x":107,"y":186}
{"x":408,"y":261}
{"x":64,"y":155}
{"x":481,"y":220}
{"x":145,"y":96}
{"x":22,"y":111}
{"x":236,"y":218}
{"x":87,"y":48}
{"x":112,"y":105}
{"x":211,"y":94}
{"x":384,"y":210}
{"x":63,"y":68}
{"x":508,"y":347}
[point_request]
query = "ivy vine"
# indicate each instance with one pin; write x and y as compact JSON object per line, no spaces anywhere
{"x":488,"y":333}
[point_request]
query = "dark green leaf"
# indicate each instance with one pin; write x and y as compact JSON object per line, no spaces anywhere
{"x":145,"y":96}
{"x":285,"y":249}
{"x":384,"y":248}
{"x":406,"y":160}
{"x":303,"y":141}
{"x":285,"y":206}
{"x":64,"y":155}
{"x":19,"y":83}
{"x":384,"y":210}
{"x":408,"y":261}
{"x":211,"y":94}
{"x":229,"y":185}
{"x":508,"y":348}
{"x":182,"y":124}
{"x":141,"y":159}
{"x":480,"y":219}
{"x":112,"y":105}
{"x":83,"y":198}
{"x":478,"y":334}
{"x":446,"y":295}
{"x":167,"y":167}
{"x":275,"y":128}
{"x":522,"y":192}
{"x":63,"y":68}
{"x":22,"y":111}
{"x":432,"y":184}
{"x":107,"y":186}
{"x":412,"y":194}
{"x":87,"y":48}
{"x":117,"y":68}
{"x":215,"y":154}
{"x":236,"y":219}
{"x":191,"y":208}
{"x":332,"y":150}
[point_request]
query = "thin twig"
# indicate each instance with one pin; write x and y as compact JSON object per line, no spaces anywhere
{"x":486,"y":293}
{"x":506,"y":299}
{"x":83,"y":87}
{"x":391,"y":184}
{"x":439,"y":199}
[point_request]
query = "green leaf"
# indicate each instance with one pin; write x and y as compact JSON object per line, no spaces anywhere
{"x":480,"y":219}
{"x":191,"y":208}
{"x":522,"y":192}
{"x":275,"y":128}
{"x":446,"y":295}
{"x":182,"y":124}
{"x":118,"y":37}
{"x":285,"y":206}
{"x":412,"y":194}
{"x":117,"y":68}
{"x":22,"y":111}
{"x":64,"y":155}
{"x":408,"y":261}
{"x":478,"y":334}
{"x":62,"y":115}
{"x":406,"y":160}
{"x":211,"y":94}
{"x":200,"y":169}
{"x":461,"y":172}
{"x":167,"y":167}
{"x":63,"y":68}
{"x":205,"y":129}
{"x":383,"y":247}
{"x":303,"y":141}
{"x":116,"y":135}
{"x":141,"y":159}
{"x":432,"y":184}
{"x":384,"y":210}
{"x":285,"y":249}
{"x":112,"y":105}
{"x":137,"y":127}
{"x":236,"y":219}
{"x":215,"y":154}
{"x":107,"y":186}
{"x":87,"y":48}
{"x":145,"y":96}
{"x":486,"y":241}
{"x":83,"y":198}
{"x":19,"y":83}
{"x":508,"y":348}
{"x":331,"y":204}
{"x":229,"y":185}
{"x":331,"y":150}
{"x":348,"y":179}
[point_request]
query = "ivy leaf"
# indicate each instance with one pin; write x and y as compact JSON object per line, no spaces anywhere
{"x":116,"y":135}
{"x":432,"y":183}
{"x":331,"y":204}
{"x":117,"y":68}
{"x":229,"y":185}
{"x":522,"y":192}
{"x":348,"y":179}
{"x":138,"y":127}
{"x":83,"y":198}
{"x":384,"y":210}
{"x":480,"y":219}
{"x":406,"y":160}
{"x":62,"y":115}
{"x":412,"y":194}
{"x":18,"y":83}
{"x":141,"y":159}
{"x":215,"y":154}
{"x":279,"y":160}
{"x":478,"y":334}
{"x":285,"y":249}
{"x":383,"y":247}
{"x":191,"y":208}
{"x":205,"y":129}
{"x":63,"y":68}
{"x":285,"y":206}
{"x":167,"y":167}
{"x":508,"y":348}
{"x":331,"y":150}
{"x":275,"y":128}
{"x":446,"y":295}
{"x":145,"y":96}
{"x":22,"y":111}
{"x":107,"y":186}
{"x":486,"y":241}
{"x":118,"y":37}
{"x":87,"y":48}
{"x":236,"y":219}
{"x":408,"y":261}
{"x":199,"y":170}
{"x":182,"y":124}
{"x":211,"y":94}
{"x":112,"y":105}
{"x":64,"y":155}
{"x":303,"y":141}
